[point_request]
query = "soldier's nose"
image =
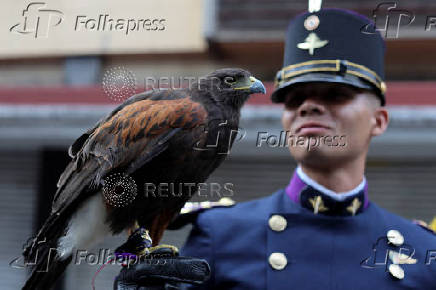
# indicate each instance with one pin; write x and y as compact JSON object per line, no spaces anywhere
{"x":310,"y":107}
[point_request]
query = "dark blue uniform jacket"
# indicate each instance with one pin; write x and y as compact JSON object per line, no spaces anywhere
{"x":313,"y":251}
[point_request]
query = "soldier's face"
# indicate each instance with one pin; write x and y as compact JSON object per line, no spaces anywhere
{"x":329,"y":123}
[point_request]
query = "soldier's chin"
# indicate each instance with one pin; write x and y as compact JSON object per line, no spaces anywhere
{"x":322,"y":155}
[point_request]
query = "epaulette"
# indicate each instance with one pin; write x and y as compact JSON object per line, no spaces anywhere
{"x":190,"y":211}
{"x":429,"y":227}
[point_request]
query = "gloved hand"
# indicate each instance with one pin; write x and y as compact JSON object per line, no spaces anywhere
{"x":162,"y":269}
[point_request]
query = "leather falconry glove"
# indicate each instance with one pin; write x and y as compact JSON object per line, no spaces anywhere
{"x":162,"y":269}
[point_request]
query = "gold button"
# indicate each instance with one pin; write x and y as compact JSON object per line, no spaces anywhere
{"x":396,"y":271}
{"x":277,"y":223}
{"x":278,"y":261}
{"x":395,"y":237}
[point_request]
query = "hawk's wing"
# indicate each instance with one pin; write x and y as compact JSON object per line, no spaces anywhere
{"x":128,"y":138}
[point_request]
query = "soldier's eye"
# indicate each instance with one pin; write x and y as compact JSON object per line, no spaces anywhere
{"x":294,"y":98}
{"x":229,"y":80}
{"x":339,"y":96}
{"x":294,"y":101}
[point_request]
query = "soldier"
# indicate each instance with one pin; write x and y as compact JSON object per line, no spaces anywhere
{"x":321,"y":231}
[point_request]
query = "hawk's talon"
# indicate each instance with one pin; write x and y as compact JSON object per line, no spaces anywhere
{"x":137,"y":243}
{"x":160,"y":250}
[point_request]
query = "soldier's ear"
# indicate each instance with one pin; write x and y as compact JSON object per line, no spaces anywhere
{"x":380,"y":120}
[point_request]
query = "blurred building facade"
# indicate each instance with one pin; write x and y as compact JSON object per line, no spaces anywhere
{"x":48,"y":100}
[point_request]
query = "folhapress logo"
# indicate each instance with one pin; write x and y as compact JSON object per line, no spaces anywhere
{"x":388,"y":19}
{"x":37,"y":20}
{"x":107,"y":23}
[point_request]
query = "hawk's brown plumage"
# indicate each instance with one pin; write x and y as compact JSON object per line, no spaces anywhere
{"x":151,"y":137}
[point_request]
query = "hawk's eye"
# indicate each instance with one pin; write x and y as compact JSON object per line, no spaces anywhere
{"x":229,"y":80}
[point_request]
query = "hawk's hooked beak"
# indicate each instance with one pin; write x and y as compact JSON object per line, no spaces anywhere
{"x":256,"y":86}
{"x":253,"y":86}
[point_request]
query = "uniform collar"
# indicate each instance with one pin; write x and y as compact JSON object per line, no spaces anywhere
{"x":315,"y":197}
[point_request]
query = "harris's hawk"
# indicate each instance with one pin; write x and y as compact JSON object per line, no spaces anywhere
{"x":156,"y":137}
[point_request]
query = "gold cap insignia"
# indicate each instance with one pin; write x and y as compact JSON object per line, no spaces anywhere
{"x":312,"y":42}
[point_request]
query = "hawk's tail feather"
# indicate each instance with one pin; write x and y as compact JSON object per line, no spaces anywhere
{"x":41,"y":254}
{"x":47,"y":270}
{"x":53,"y":228}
